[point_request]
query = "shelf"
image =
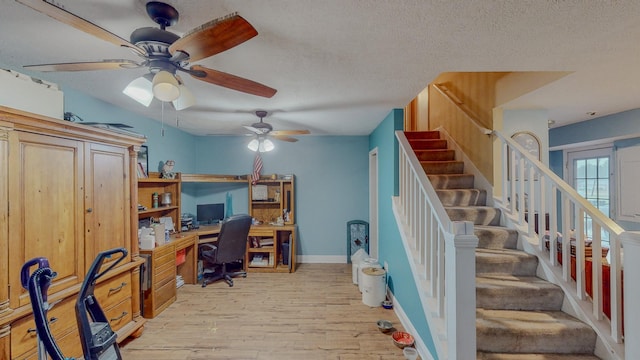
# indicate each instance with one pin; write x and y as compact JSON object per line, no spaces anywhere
{"x":260,"y":250}
{"x":156,"y":210}
{"x":213,"y":178}
{"x":261,"y":202}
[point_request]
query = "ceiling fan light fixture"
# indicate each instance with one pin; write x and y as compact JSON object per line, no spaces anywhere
{"x":140,"y":90}
{"x":253,"y":145}
{"x":266,"y":145}
{"x":165,"y":86}
{"x":185,"y":100}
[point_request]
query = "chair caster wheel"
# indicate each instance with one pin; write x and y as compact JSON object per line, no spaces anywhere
{"x":244,"y":275}
{"x":204,"y":284}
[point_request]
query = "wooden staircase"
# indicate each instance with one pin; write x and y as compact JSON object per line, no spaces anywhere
{"x":518,"y":315}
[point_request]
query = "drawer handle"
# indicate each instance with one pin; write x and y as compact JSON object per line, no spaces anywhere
{"x":117,"y":288}
{"x":124,"y":313}
{"x":51,"y":321}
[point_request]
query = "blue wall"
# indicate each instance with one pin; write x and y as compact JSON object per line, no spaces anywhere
{"x":331,"y":182}
{"x":391,"y":249}
{"x":624,"y":124}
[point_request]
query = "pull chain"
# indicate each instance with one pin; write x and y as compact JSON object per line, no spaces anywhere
{"x":162,"y":126}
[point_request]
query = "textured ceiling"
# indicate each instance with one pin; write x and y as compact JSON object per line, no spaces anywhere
{"x":340,"y":66}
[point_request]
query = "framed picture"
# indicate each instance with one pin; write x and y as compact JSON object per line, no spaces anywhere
{"x":530,"y":142}
{"x":143,"y":162}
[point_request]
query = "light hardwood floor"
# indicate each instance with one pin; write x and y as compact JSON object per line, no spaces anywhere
{"x":314,"y":313}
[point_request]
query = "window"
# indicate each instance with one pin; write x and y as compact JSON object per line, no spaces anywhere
{"x":590,"y":174}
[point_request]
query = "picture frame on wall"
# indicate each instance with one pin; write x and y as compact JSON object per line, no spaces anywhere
{"x":530,"y":142}
{"x":143,"y":162}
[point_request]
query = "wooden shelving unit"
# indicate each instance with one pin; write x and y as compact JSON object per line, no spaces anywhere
{"x":155,"y":184}
{"x":280,"y":198}
{"x":275,"y":200}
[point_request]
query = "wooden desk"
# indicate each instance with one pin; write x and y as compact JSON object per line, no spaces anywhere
{"x":163,"y":266}
{"x":279,"y":234}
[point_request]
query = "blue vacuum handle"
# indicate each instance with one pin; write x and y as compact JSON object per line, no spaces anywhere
{"x":25,"y":273}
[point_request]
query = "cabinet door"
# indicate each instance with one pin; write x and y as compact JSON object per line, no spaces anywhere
{"x":107,"y":199}
{"x":45,"y":203}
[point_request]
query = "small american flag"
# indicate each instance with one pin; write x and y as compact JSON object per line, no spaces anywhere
{"x":257,"y":168}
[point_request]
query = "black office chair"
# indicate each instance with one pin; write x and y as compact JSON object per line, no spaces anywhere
{"x":229,"y":249}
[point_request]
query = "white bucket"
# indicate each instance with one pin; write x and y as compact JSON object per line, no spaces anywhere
{"x":373,"y":286}
{"x":366,"y":263}
{"x":354,"y":272}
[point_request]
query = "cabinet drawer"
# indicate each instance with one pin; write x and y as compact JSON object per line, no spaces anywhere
{"x":260,"y":232}
{"x":62,"y":320}
{"x":119,"y":315}
{"x":164,"y":273}
{"x":114,"y":290}
{"x":165,"y":293}
{"x":162,"y":252}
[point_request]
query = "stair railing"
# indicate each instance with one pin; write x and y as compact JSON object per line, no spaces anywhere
{"x":441,"y":254}
{"x":530,"y":187}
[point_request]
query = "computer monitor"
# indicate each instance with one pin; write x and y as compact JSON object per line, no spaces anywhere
{"x":210,"y":213}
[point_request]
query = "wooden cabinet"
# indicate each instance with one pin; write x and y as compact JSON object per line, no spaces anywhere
{"x":66,"y":194}
{"x":160,"y":290}
{"x":154,"y":184}
{"x":271,"y":248}
{"x":272,"y":197}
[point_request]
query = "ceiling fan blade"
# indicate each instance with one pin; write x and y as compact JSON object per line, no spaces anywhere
{"x":284,"y":138}
{"x":79,"y":23}
{"x":214,"y":37}
{"x":86,"y":66}
{"x":232,"y":82}
{"x":290,"y":132}
{"x":252,"y":129}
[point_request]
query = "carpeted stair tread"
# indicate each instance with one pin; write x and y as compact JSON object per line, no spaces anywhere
{"x":422,"y":134}
{"x":511,"y":331}
{"x":452,"y":181}
{"x":498,"y":356}
{"x":435,"y":155}
{"x":443,"y":167}
{"x":496,"y":237}
{"x":479,"y":215}
{"x":508,"y":292}
{"x":421,"y":144}
{"x":462,"y":197}
{"x":505,"y":261}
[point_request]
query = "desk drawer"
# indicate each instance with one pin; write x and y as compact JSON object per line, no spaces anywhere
{"x":164,"y":273}
{"x":165,"y":256}
{"x":165,"y":294}
{"x":23,"y":334}
{"x":119,"y":315}
{"x":114,"y":290}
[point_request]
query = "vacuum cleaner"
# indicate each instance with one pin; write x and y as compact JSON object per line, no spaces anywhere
{"x":97,"y":337}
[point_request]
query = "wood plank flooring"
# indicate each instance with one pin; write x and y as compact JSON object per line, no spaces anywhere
{"x":314,"y":313}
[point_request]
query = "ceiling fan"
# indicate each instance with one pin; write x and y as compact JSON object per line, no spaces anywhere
{"x":163,"y":53}
{"x":263,"y":130}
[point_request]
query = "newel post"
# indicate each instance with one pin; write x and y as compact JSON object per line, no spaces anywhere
{"x":631,"y":250}
{"x":460,"y":290}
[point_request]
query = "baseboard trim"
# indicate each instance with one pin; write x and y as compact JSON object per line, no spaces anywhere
{"x":408,"y":326}
{"x":322,"y":259}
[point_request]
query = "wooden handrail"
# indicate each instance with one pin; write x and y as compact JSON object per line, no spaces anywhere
{"x":462,"y":107}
